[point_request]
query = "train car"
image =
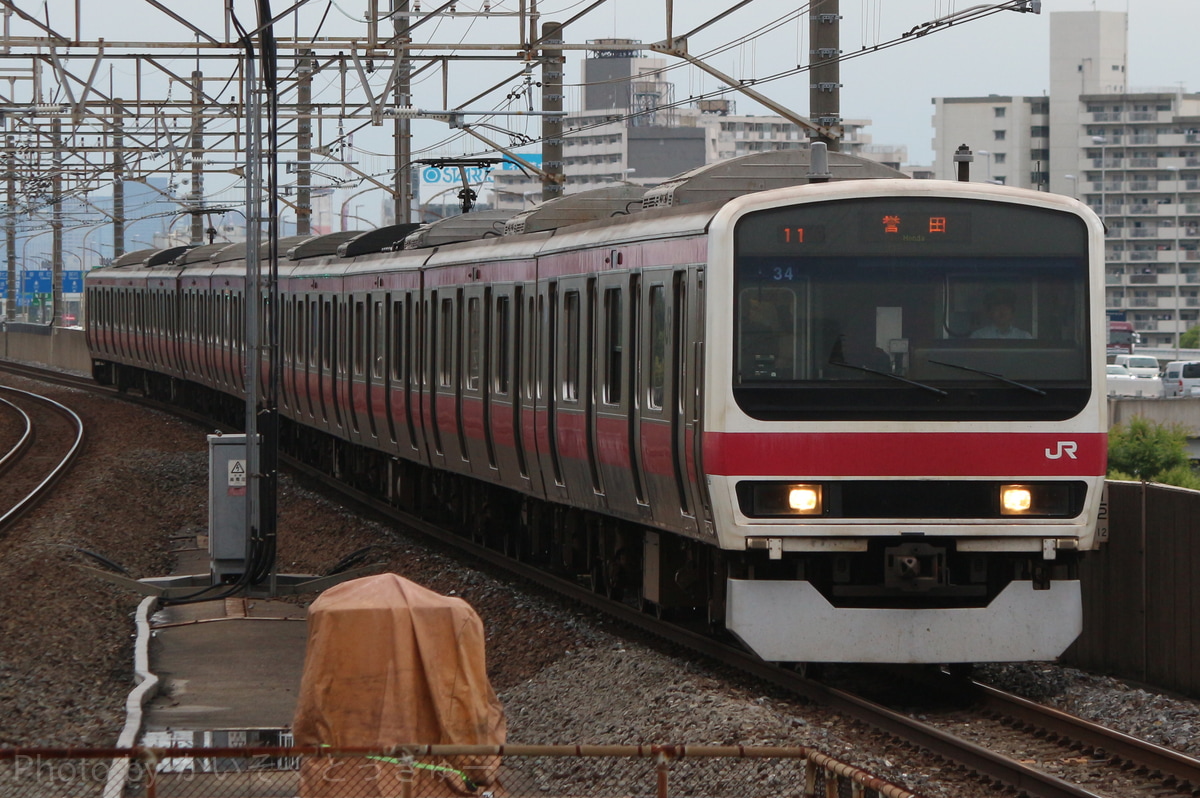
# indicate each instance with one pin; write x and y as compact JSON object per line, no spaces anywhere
{"x":850,"y":421}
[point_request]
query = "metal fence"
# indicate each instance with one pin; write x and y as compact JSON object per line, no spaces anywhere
{"x":1141,"y":595}
{"x":651,"y":771}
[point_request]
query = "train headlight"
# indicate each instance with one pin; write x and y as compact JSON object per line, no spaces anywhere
{"x":1015,"y":499}
{"x":1042,"y":499}
{"x":781,"y":499}
{"x":805,"y":499}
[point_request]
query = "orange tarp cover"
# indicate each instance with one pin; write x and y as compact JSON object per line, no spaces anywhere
{"x":389,"y":662}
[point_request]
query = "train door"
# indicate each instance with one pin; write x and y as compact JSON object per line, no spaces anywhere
{"x":340,"y":333}
{"x":532,"y":344}
{"x":356,"y":363}
{"x":502,"y":386}
{"x":440,"y":354}
{"x":303,"y":365}
{"x":466,"y":332}
{"x":615,"y":395}
{"x":313,"y":384}
{"x":588,"y":370}
{"x":474,"y":429}
{"x":411,"y":369}
{"x":377,"y":364}
{"x":689,"y":288}
{"x":324,"y":359}
{"x":515,"y":349}
{"x":288,"y":354}
{"x":663,"y":432}
{"x":237,"y":341}
{"x":547,"y":392}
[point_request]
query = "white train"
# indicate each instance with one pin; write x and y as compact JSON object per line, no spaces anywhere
{"x":853,"y":421}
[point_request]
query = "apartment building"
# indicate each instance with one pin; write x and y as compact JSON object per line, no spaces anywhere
{"x":1132,"y":155}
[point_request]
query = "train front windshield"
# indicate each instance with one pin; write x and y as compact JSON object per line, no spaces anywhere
{"x":911,"y":308}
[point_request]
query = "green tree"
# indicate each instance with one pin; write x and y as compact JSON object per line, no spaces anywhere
{"x":1190,"y":339}
{"x":1147,"y":450}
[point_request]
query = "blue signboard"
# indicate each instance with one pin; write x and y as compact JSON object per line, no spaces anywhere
{"x":72,"y":281}
{"x":38,"y":281}
{"x":4,"y":284}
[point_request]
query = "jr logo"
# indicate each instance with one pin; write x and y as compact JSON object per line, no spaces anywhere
{"x":1064,"y":447}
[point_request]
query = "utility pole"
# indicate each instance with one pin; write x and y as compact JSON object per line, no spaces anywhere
{"x":10,"y":303}
{"x":56,"y":257}
{"x":402,"y":194}
{"x":304,"y":69}
{"x":197,"y":145}
{"x":825,"y":91}
{"x":118,"y":178}
{"x":552,"y":102}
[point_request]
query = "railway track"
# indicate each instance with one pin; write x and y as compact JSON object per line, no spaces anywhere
{"x":31,"y":471}
{"x":1099,"y":756}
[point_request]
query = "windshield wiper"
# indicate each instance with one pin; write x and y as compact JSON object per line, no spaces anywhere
{"x":890,"y":376}
{"x":991,"y":374}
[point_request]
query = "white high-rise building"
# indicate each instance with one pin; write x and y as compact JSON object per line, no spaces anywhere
{"x":1133,"y":155}
{"x":629,"y":130}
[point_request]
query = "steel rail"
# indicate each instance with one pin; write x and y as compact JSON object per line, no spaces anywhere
{"x":18,"y":448}
{"x":43,"y":488}
{"x":1116,"y":744}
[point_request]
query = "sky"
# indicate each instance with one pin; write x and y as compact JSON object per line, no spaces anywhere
{"x":1005,"y":53}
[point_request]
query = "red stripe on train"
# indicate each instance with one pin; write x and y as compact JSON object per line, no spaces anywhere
{"x":934,"y":454}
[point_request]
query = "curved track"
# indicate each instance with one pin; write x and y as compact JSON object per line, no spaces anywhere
{"x":1141,"y":768}
{"x":31,"y":472}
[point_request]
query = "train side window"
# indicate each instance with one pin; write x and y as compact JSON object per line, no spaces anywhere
{"x":327,"y":334}
{"x":656,"y":380}
{"x":501,"y":348}
{"x":533,"y":330}
{"x":378,"y":338}
{"x":360,"y":337}
{"x":298,"y":341}
{"x":612,"y":346}
{"x":314,"y":332}
{"x":571,"y":322}
{"x":473,"y":344}
{"x":446,"y":343}
{"x":397,"y":341}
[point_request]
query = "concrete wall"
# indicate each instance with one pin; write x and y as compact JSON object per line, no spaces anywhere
{"x":58,"y":347}
{"x":1184,"y":411}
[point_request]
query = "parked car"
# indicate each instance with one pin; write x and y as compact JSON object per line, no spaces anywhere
{"x":1182,"y":378}
{"x":1123,"y":382}
{"x":1139,"y":365}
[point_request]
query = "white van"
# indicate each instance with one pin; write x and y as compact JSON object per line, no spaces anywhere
{"x":1139,"y":365}
{"x":1182,"y":378}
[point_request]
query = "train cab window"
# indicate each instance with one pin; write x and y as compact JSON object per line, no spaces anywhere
{"x":571,"y":353}
{"x":657,"y":371}
{"x":911,"y":308}
{"x":474,"y":344}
